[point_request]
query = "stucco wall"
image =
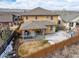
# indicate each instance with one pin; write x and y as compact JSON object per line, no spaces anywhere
{"x":41,"y":18}
{"x":55,"y":19}
{"x":31,"y":18}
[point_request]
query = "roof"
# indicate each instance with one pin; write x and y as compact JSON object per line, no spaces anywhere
{"x":69,"y":16}
{"x":11,"y":10}
{"x":32,"y":25}
{"x":76,"y":19}
{"x":39,"y":11}
{"x":44,"y":22}
{"x":5,"y":18}
{"x":66,"y":15}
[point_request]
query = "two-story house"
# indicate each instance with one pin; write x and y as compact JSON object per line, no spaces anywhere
{"x":38,"y":20}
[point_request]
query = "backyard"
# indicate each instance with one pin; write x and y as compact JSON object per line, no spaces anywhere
{"x":67,"y":52}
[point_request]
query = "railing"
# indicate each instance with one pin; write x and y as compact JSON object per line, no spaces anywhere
{"x":9,"y":39}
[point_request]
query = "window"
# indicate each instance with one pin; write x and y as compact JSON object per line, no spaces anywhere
{"x":26,"y":17}
{"x":71,"y":24}
{"x":59,"y":22}
{"x":47,"y":17}
{"x":77,"y":23}
{"x":51,"y":17}
{"x":36,"y":17}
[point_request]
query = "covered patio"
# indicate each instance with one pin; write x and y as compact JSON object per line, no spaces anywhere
{"x":33,"y":30}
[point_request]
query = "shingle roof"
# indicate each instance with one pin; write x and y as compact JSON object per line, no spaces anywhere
{"x":76,"y":20}
{"x":11,"y":10}
{"x":44,"y":22}
{"x":39,"y":11}
{"x":27,"y":26}
{"x":68,"y":16}
{"x":6,"y":18}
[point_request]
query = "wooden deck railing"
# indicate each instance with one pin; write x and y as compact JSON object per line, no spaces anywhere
{"x":10,"y":38}
{"x":53,"y":48}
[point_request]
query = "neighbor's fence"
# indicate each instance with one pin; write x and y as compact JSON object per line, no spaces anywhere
{"x":53,"y":48}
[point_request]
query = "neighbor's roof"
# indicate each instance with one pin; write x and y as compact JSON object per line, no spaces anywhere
{"x":76,"y":19}
{"x":11,"y":10}
{"x":6,"y":18}
{"x":68,"y":16}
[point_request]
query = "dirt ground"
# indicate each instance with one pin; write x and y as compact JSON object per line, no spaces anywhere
{"x":68,"y":52}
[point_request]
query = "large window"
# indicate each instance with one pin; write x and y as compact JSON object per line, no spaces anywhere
{"x":71,"y":24}
{"x":36,"y":18}
{"x":77,"y":23}
{"x":26,"y":17}
{"x":51,"y":17}
{"x":59,"y":22}
{"x":47,"y":17}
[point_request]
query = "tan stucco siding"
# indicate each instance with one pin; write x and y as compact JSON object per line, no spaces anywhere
{"x":31,"y":18}
{"x":55,"y":19}
{"x":41,"y":18}
{"x":48,"y":18}
{"x":28,"y":18}
{"x":24,"y":18}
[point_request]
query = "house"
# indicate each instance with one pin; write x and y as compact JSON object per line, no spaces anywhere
{"x":5,"y":19}
{"x":39,"y":20}
{"x":39,"y":14}
{"x":70,"y":19}
{"x":9,"y":15}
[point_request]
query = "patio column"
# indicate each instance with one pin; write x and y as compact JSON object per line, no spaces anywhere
{"x":43,"y":33}
{"x":74,"y":25}
{"x":54,"y":28}
{"x":67,"y":26}
{"x":23,"y":34}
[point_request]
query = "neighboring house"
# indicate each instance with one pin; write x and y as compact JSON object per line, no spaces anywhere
{"x":75,"y":22}
{"x":70,"y":19}
{"x":6,"y":19}
{"x":8,"y":16}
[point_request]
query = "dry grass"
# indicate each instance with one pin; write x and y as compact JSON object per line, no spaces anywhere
{"x":68,"y":52}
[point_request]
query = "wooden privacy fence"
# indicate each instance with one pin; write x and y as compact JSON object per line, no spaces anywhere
{"x":54,"y":47}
